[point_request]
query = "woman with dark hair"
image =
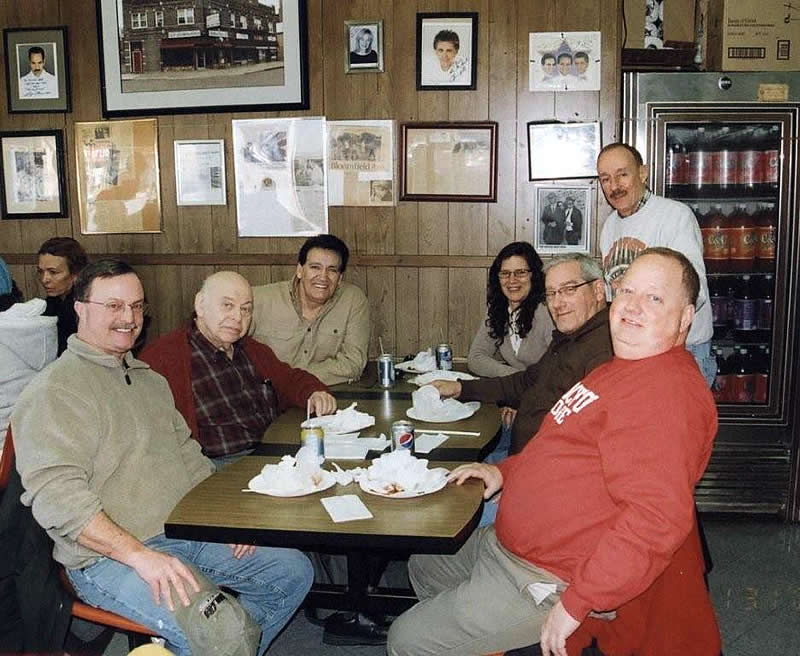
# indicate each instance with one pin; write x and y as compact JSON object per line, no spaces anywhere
{"x":61,"y":259}
{"x":518,"y":327}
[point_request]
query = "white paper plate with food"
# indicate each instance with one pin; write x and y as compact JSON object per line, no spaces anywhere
{"x":292,"y":477}
{"x":344,"y":422}
{"x":399,"y":475}
{"x":424,"y":361}
{"x":262,"y":485}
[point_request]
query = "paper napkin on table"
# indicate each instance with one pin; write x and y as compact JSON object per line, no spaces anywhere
{"x":427,"y":442}
{"x":346,"y":508}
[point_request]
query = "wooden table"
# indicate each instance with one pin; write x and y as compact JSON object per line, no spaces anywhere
{"x":217,"y":510}
{"x":283,"y":435}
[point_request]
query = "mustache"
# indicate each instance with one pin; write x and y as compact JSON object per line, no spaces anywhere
{"x":618,"y":194}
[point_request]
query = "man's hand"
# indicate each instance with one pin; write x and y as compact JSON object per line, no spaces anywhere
{"x":507,"y":416}
{"x":321,"y":403}
{"x":241,"y":550}
{"x":489,"y":474}
{"x":558,"y":626}
{"x":448,"y":389}
{"x":159,"y":570}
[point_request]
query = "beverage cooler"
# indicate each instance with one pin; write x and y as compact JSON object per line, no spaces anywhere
{"x":725,"y":144}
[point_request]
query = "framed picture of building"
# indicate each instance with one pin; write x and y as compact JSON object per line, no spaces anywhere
{"x":202,"y":56}
{"x":32,"y":174}
{"x":118,"y":181}
{"x":37,"y":69}
{"x":562,"y":218}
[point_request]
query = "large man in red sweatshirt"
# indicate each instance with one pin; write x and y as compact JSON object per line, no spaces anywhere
{"x":596,"y":504}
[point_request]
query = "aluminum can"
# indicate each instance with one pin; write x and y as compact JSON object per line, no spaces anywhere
{"x":386,"y":375}
{"x":403,"y":436}
{"x":444,"y":357}
{"x":315,"y":438}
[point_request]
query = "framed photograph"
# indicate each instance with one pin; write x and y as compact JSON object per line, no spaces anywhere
{"x":447,"y":51}
{"x":361,"y":163}
{"x":449,"y":161}
{"x":563,"y":150}
{"x":37,"y":69}
{"x":562,"y":218}
{"x":32,"y":171}
{"x":200,"y":171}
{"x":118,"y":181}
{"x":564,"y":61}
{"x":364,"y":53}
{"x":279,"y":166}
{"x":201,"y":57}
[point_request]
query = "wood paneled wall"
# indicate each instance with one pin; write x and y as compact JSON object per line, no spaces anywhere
{"x":422,"y":265}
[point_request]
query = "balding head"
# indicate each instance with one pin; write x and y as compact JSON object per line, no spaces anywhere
{"x":224,"y":308}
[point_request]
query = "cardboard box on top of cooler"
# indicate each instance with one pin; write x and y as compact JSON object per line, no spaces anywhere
{"x":749,"y":35}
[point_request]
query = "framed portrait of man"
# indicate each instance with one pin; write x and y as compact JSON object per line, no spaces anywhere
{"x":364,"y":46}
{"x":37,"y":69}
{"x":447,"y":51}
{"x":562,"y":218}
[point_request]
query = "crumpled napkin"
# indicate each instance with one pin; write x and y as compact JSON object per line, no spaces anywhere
{"x":428,"y":403}
{"x":398,"y":471}
{"x":32,"y":308}
{"x":440,"y":374}
{"x":291,"y":474}
{"x":348,"y":420}
{"x":424,"y":361}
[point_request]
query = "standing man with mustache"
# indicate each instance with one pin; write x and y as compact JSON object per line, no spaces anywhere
{"x":316,"y":321}
{"x":642,"y":220}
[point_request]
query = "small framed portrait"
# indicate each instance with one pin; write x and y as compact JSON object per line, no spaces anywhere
{"x":37,"y":69}
{"x":563,"y":150}
{"x":453,"y":162}
{"x":364,"y":52}
{"x":32,"y":172}
{"x":564,"y":61}
{"x":447,"y":51}
{"x":562,"y":218}
{"x":200,"y":171}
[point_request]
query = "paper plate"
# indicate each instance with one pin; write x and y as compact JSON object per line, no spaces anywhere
{"x":436,"y":485}
{"x":409,"y":368}
{"x":259,"y":485}
{"x":427,"y":378}
{"x":469,"y":408}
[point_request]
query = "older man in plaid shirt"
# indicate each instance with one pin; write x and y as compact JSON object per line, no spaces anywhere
{"x":227,"y":386}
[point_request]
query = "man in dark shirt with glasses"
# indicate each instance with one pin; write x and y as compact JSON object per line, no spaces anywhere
{"x":575,"y":296}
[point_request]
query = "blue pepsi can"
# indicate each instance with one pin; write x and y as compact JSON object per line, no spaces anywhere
{"x":444,"y":357}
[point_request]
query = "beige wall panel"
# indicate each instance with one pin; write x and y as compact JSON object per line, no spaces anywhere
{"x":466,"y":307}
{"x":433,"y":304}
{"x":407,"y":315}
{"x":382,"y":305}
{"x":256,"y":275}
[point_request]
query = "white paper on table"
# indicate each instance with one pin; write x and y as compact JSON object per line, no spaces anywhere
{"x":427,"y":442}
{"x":346,"y":450}
{"x":346,"y":508}
{"x":541,"y":591}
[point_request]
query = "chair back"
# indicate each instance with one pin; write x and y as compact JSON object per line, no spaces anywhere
{"x":6,"y":460}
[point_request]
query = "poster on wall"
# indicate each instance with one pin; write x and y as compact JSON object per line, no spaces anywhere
{"x":279,"y":166}
{"x":32,"y":173}
{"x":118,"y":180}
{"x":361,"y":163}
{"x":564,"y":61}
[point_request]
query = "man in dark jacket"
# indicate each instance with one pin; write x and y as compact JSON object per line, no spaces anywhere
{"x":575,"y":296}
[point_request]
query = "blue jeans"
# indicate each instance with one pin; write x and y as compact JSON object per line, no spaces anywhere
{"x":271,"y":584}
{"x":500,"y":452}
{"x":705,"y":360}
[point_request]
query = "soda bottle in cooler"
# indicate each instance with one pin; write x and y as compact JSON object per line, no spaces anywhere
{"x":718,"y":295}
{"x":715,"y":231}
{"x":745,"y":304}
{"x":721,"y":387}
{"x":742,"y":239}
{"x":699,"y":166}
{"x":771,"y":161}
{"x":676,"y":170}
{"x":725,"y":162}
{"x":742,"y":379}
{"x":765,"y":308}
{"x":766,"y":237}
{"x":761,"y":374}
{"x":730,"y":287}
{"x":749,"y":169}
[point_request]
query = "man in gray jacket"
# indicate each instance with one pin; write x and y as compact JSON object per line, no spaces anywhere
{"x":104,"y":457}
